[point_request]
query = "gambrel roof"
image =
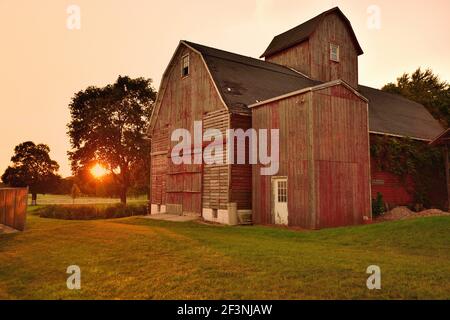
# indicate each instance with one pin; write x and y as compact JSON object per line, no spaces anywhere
{"x":242,"y":81}
{"x":302,"y":33}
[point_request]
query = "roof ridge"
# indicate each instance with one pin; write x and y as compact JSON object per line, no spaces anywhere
{"x":306,"y":21}
{"x":303,"y":31}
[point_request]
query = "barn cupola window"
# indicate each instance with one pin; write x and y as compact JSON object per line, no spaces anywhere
{"x":334,"y":52}
{"x":185,"y":66}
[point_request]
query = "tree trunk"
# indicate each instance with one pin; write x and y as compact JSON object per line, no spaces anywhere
{"x":125,"y":182}
{"x":33,"y":199}
{"x":123,"y":195}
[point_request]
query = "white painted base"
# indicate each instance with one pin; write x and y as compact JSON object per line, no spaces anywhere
{"x":158,"y":209}
{"x":222,"y":216}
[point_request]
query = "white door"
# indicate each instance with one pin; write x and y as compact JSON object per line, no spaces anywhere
{"x":280,"y":209}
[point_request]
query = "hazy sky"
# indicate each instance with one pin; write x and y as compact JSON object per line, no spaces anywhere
{"x":43,"y":63}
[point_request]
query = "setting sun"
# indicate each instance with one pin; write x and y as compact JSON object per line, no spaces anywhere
{"x":98,"y":171}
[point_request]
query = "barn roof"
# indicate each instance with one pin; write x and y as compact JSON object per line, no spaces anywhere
{"x":302,"y":32}
{"x":393,"y":114}
{"x":243,"y":81}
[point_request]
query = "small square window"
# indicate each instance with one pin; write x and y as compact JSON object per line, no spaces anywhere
{"x":185,"y":66}
{"x":334,"y":52}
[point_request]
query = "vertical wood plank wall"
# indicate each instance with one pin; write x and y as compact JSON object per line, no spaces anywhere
{"x":341,"y":155}
{"x":396,"y":191}
{"x":185,"y":100}
{"x":297,"y":57}
{"x":290,"y":116}
{"x":333,"y":29}
{"x":324,"y":152}
{"x":13,"y":207}
{"x":241,"y":174}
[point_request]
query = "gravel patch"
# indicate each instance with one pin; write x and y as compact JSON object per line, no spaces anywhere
{"x":402,"y":213}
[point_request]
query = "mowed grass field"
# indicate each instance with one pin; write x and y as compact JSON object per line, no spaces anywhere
{"x":135,"y":258}
{"x":48,"y":199}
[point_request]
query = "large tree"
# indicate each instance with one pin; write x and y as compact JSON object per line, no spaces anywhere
{"x":427,"y":89}
{"x":32,"y":167}
{"x":108,"y":127}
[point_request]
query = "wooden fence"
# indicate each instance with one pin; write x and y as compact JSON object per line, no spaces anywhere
{"x":13,"y":207}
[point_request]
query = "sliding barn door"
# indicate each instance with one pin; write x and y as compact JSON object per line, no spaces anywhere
{"x":184,"y":180}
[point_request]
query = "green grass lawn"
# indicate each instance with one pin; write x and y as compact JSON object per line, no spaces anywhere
{"x":48,"y":199}
{"x":134,"y":258}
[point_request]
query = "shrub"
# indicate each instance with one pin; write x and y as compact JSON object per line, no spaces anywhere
{"x":378,"y":207}
{"x":91,"y":212}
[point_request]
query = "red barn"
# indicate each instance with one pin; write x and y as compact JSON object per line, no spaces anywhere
{"x":307,"y":90}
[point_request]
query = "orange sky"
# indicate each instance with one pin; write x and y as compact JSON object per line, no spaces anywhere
{"x":43,"y":63}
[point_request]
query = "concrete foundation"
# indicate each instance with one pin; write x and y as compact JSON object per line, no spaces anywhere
{"x":227,"y":216}
{"x":158,"y":209}
{"x":230,"y":216}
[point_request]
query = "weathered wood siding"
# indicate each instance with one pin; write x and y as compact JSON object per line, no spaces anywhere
{"x":312,"y":57}
{"x":341,"y":156}
{"x":13,"y":207}
{"x":324,"y":153}
{"x":290,"y":116}
{"x":241,"y":174}
{"x":297,"y":57}
{"x":183,"y":101}
{"x":159,"y":164}
{"x":395,"y":190}
{"x":216,"y":176}
{"x":333,"y":30}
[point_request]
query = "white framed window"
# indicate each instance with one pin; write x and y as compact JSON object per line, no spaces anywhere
{"x":334,"y":52}
{"x":282,"y":191}
{"x":185,"y":66}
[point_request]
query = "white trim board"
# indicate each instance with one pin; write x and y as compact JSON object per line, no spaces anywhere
{"x":310,"y":89}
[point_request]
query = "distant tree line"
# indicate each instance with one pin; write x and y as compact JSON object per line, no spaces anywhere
{"x":106,"y":187}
